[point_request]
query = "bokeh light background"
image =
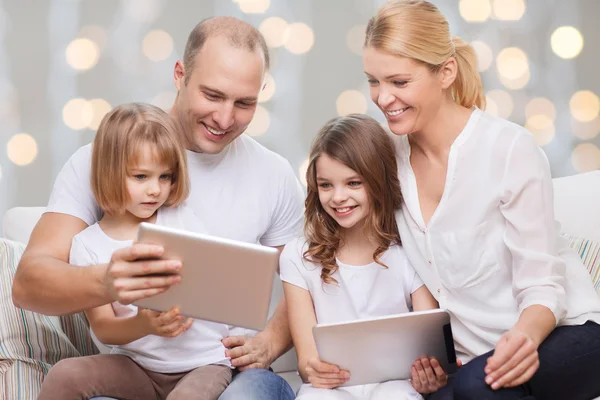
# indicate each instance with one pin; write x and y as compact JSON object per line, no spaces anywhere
{"x":64,"y":63}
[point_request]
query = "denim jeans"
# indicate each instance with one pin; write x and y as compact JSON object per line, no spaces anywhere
{"x":258,"y":384}
{"x":569,"y":365}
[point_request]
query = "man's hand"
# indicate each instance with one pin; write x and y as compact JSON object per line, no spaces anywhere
{"x":514,"y":362}
{"x":248,"y":352}
{"x":135,"y":273}
{"x":324,"y":375}
{"x":165,"y":324}
{"x":428,"y":376}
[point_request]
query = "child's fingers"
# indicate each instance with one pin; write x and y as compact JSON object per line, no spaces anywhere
{"x":170,"y":328}
{"x":168,"y":317}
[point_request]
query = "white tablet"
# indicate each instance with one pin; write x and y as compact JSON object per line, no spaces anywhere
{"x":382,"y":349}
{"x":223,"y":280}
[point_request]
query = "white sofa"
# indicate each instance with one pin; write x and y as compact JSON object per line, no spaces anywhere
{"x":576,"y":208}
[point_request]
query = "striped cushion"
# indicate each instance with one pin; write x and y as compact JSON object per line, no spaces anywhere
{"x":29,"y":342}
{"x":589,"y":251}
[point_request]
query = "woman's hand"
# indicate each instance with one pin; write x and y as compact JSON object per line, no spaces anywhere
{"x":514,"y":362}
{"x":428,"y":376}
{"x":324,"y":375}
{"x":166,"y":324}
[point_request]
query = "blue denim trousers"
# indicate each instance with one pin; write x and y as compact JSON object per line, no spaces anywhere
{"x":569,"y":368}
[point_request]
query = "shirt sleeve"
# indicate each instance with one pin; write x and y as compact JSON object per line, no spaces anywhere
{"x":528,"y":208}
{"x":80,"y":255}
{"x":290,"y":264}
{"x":288,"y":217}
{"x":72,"y":192}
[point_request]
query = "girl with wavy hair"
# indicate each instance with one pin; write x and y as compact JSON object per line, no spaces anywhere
{"x":350,"y":264}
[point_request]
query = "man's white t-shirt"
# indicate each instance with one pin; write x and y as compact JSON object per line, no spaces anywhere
{"x":245,"y":193}
{"x":200,"y":345}
{"x":365,"y":291}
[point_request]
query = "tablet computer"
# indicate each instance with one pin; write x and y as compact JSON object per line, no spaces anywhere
{"x":222,"y":280}
{"x":384,"y":348}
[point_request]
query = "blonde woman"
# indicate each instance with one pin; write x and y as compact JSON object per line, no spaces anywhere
{"x":477,"y":221}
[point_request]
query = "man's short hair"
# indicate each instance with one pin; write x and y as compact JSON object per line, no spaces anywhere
{"x":240,"y":34}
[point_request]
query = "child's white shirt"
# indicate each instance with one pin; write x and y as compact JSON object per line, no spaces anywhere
{"x":361,"y":291}
{"x":200,"y":345}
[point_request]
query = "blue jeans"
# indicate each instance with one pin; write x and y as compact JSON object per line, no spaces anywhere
{"x":569,"y":365}
{"x":257,"y":384}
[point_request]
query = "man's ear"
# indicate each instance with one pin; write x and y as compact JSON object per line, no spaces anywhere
{"x":447,"y":72}
{"x":179,"y":74}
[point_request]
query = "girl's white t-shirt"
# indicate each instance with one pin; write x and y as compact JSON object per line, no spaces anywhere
{"x":200,"y":345}
{"x":365,"y":291}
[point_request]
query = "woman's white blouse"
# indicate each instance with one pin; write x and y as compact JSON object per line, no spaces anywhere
{"x":491,"y":248}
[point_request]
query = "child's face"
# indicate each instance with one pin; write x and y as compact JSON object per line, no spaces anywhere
{"x":341,"y":192}
{"x":148,"y":184}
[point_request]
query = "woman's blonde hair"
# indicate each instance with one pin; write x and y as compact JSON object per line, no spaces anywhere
{"x":417,"y":29}
{"x":360,"y":143}
{"x":122,"y":135}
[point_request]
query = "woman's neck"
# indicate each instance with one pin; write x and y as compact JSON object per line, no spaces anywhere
{"x":123,"y":226}
{"x":436,"y":138}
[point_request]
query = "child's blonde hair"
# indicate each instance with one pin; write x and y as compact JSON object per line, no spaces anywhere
{"x":122,"y":134}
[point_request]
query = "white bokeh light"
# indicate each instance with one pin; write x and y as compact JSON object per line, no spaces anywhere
{"x":157,"y":45}
{"x":584,"y":105}
{"x":269,"y":90}
{"x":500,"y":102}
{"x":509,"y":10}
{"x":566,"y":42}
{"x":542,"y":128}
{"x":513,"y":68}
{"x":143,"y":11}
{"x":540,"y":106}
{"x":82,"y":54}
{"x":253,"y":6}
{"x":100,"y":108}
{"x":78,"y":113}
{"x":300,"y":38}
{"x":22,"y":149}
{"x":475,"y":10}
{"x":350,"y":102}
{"x":586,"y":130}
{"x":274,"y":29}
{"x":260,"y":123}
{"x":586,"y":157}
{"x":355,"y":39}
{"x":485,"y":56}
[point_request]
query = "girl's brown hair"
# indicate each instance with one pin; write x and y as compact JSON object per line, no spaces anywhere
{"x":121,"y":136}
{"x":417,"y":29}
{"x":360,"y":143}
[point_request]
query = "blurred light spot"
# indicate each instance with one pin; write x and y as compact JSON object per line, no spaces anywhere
{"x":22,"y":149}
{"x":485,"y":57}
{"x":586,"y":157}
{"x":356,"y":38}
{"x":100,"y":108}
{"x":82,"y":54}
{"x":78,"y":113}
{"x":95,"y":33}
{"x":253,"y":6}
{"x":268,"y":91}
{"x":302,"y":171}
{"x":475,"y":10}
{"x":143,"y":10}
{"x":540,"y":106}
{"x":351,"y":101}
{"x":586,"y":130}
{"x":274,"y":29}
{"x":260,"y":123}
{"x":516,"y":84}
{"x":512,"y":63}
{"x":509,"y":10}
{"x":491,"y":107}
{"x":300,"y":38}
{"x":157,"y":45}
{"x":502,"y":103}
{"x":164,"y":100}
{"x":585,"y":106}
{"x":542,"y":128}
{"x":566,"y":42}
